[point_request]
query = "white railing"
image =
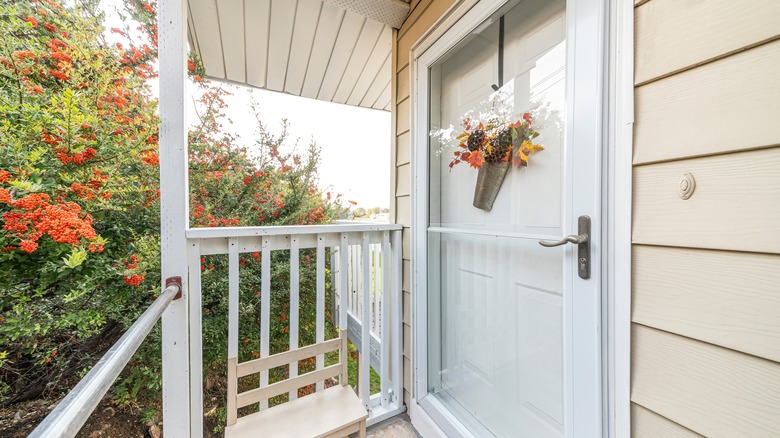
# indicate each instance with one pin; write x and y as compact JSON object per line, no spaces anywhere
{"x":366,"y":268}
{"x":364,"y":298}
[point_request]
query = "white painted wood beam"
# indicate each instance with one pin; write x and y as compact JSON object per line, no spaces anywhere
{"x":179,"y":404}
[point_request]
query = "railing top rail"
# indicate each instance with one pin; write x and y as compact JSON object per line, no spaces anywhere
{"x":72,"y":412}
{"x":213,"y":233}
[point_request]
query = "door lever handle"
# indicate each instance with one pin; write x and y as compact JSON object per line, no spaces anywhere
{"x":568,"y":239}
{"x":582,"y":240}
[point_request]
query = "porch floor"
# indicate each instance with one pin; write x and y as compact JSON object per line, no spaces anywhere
{"x":396,"y":427}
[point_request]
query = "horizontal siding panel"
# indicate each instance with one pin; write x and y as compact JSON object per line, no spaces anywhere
{"x":413,"y":16}
{"x":403,"y":180}
{"x":413,"y":4}
{"x":403,"y":84}
{"x":724,"y":298}
{"x":647,"y":424}
{"x":736,"y":204}
{"x":403,"y":149}
{"x":407,"y":244}
{"x":403,"y":117}
{"x":407,"y":276}
{"x":727,"y":105}
{"x":402,"y":211}
{"x":407,"y":374}
{"x":407,"y":308}
{"x":407,"y":340}
{"x":427,"y":19}
{"x":673,"y":34}
{"x":711,"y":390}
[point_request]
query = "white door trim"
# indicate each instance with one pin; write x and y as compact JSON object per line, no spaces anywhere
{"x":616,"y":229}
{"x":618,"y":196}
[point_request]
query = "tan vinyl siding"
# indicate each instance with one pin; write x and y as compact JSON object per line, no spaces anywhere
{"x":732,"y":207}
{"x":672,"y":35}
{"x":648,"y":424}
{"x":706,"y":271}
{"x":708,"y":389}
{"x":423,"y":16}
{"x":739,"y":290}
{"x":687,"y":108}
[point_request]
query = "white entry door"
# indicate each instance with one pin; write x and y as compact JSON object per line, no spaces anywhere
{"x":507,"y":330}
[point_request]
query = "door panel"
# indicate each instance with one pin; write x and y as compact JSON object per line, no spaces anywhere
{"x":495,"y":354}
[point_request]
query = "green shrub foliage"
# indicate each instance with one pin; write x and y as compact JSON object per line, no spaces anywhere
{"x":79,"y":202}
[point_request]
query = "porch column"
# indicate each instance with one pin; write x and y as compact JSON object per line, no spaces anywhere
{"x":174,"y":212}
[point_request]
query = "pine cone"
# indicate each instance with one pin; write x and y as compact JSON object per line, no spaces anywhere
{"x":499,"y":146}
{"x":476,"y":139}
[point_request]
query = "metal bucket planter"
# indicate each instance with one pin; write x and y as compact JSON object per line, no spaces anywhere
{"x":489,"y":180}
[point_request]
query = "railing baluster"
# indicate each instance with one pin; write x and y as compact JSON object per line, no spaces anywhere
{"x":196,"y":339}
{"x":376,"y":296}
{"x":396,"y":335}
{"x":349,"y":267}
{"x":385,"y":320}
{"x":294,"y":307}
{"x":320,"y":304}
{"x":365,"y":384}
{"x":343,"y":252}
{"x":265,"y":311}
{"x":344,"y":280}
{"x":233,"y":286}
{"x":335,"y":281}
{"x":354,"y":252}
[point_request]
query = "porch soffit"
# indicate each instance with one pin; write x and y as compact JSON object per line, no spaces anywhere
{"x":330,"y":50}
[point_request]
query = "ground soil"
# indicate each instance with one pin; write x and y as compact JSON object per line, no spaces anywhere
{"x":18,"y":420}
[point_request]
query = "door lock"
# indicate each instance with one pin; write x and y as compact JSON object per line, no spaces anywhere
{"x":582,"y":240}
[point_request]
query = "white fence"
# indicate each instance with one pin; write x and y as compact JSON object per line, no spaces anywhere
{"x":366,"y":269}
{"x":364,"y":298}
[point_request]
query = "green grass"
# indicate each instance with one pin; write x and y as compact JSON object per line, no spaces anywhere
{"x":375,"y":380}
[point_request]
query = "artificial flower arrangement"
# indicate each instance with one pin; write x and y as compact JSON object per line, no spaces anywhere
{"x":491,"y":142}
{"x":495,"y":142}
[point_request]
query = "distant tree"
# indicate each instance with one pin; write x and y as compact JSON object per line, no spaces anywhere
{"x":359,"y":212}
{"x":79,"y":198}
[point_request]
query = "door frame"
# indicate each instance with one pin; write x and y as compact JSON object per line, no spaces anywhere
{"x":615,"y":56}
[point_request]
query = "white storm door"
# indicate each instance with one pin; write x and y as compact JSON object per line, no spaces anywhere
{"x":507,"y":333}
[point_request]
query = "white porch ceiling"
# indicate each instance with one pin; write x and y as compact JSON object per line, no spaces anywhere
{"x":309,"y":48}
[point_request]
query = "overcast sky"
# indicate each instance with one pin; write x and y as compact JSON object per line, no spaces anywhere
{"x":355,"y":142}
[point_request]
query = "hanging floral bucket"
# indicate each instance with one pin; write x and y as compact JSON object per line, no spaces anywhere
{"x":489,"y":180}
{"x":492,"y":143}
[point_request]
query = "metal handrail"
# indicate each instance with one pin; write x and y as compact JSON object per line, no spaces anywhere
{"x":72,"y":412}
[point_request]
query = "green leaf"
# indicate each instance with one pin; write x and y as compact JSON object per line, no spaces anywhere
{"x":76,"y":258}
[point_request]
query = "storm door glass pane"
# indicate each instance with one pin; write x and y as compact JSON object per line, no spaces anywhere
{"x":495,"y":295}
